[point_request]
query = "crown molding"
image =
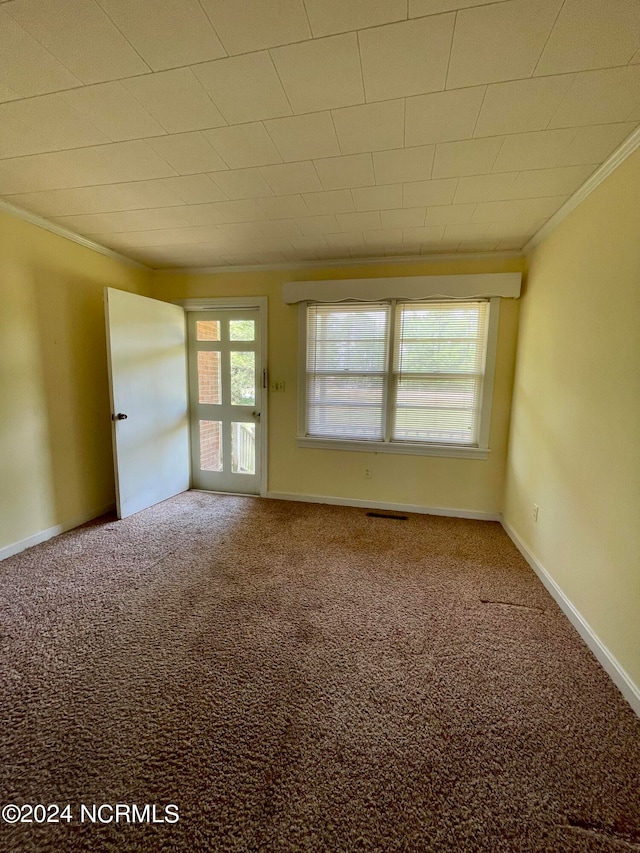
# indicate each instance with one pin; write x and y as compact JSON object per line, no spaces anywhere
{"x":60,"y":231}
{"x":630,"y":144}
{"x":348,"y":262}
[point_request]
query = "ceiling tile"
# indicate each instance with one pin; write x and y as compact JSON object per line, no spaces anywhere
{"x":7,"y":94}
{"x":518,"y":210}
{"x":291,"y":178}
{"x":359,"y":221}
{"x":284,"y":206}
{"x":188,"y":153}
{"x":128,"y":220}
{"x":403,"y":164}
{"x":102,"y":164}
{"x":408,"y":58}
{"x":196,"y":189}
{"x":202,"y":215}
{"x":304,"y":137}
{"x":418,"y":8}
{"x":486,"y":187}
{"x":270,"y":244}
{"x":54,"y":121}
{"x":359,"y":251}
{"x":451,"y":214}
{"x":595,"y":143}
{"x":100,"y":199}
{"x":381,"y":236}
{"x":305,"y":244}
{"x":430,"y":234}
{"x":352,"y":239}
{"x":166,"y":33}
{"x":521,"y":105}
{"x":245,"y":210}
{"x":499,"y":42}
{"x":377,"y":198}
{"x":370,"y":127}
{"x":591,"y":34}
{"x":548,"y":182}
{"x":80,"y":36}
{"x":537,"y":150}
{"x":336,"y":16}
{"x":466,"y":232}
{"x":311,"y":225}
{"x":175,"y":99}
{"x":442,"y":116}
{"x":516,"y":230}
{"x":334,"y":201}
{"x":598,"y":97}
{"x":162,"y":237}
{"x":244,"y":145}
{"x":337,"y":173}
{"x":242,"y":183}
{"x":424,"y":193}
{"x":321,"y":74}
{"x":26,"y":67}
{"x":114,"y":111}
{"x":470,"y":157}
{"x":233,"y":231}
{"x":246,"y":25}
{"x":18,"y":139}
{"x":279,"y":228}
{"x":409,"y":217}
{"x":244,"y":88}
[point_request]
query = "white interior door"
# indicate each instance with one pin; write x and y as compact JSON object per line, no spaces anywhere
{"x":226,"y":389}
{"x":146,"y":347}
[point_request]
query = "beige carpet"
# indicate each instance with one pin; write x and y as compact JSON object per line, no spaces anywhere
{"x":305,"y":678}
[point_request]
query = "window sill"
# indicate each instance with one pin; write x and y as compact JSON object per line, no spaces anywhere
{"x":406,"y":448}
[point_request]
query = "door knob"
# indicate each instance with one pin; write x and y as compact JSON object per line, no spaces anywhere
{"x":119,"y":417}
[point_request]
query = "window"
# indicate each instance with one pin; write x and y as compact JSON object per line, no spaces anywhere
{"x":411,"y":377}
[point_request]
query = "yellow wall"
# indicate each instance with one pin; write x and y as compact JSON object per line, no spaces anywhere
{"x":463,"y":484}
{"x":575,"y":447}
{"x":55,"y":435}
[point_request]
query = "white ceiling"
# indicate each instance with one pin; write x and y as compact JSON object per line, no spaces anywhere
{"x":227,"y":132}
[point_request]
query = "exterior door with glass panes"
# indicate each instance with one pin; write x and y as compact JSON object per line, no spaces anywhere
{"x":225,"y":387}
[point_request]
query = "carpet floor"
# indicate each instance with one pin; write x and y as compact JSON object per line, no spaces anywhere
{"x":297,"y":677}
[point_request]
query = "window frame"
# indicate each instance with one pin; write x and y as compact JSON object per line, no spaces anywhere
{"x":481,"y":450}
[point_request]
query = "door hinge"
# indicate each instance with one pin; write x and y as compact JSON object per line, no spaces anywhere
{"x":264,"y":378}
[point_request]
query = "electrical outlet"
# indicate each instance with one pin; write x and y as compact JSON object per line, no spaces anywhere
{"x":367,"y":473}
{"x":534,"y":513}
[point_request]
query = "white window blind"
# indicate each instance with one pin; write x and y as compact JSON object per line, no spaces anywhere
{"x":397,"y":372}
{"x":438,"y":367}
{"x":347,"y":356}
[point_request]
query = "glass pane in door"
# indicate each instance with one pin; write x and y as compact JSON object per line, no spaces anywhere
{"x":210,"y":446}
{"x":209,"y":379}
{"x":208,"y":330}
{"x":243,"y":448}
{"x":242,"y":330}
{"x":243,"y":378}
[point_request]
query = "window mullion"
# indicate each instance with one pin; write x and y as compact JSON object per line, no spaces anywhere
{"x":389,"y":388}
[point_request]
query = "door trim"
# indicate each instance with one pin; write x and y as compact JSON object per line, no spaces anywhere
{"x":261,"y":304}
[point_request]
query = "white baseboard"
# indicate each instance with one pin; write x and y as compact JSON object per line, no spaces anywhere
{"x":423,"y":510}
{"x":623,"y":681}
{"x":43,"y":535}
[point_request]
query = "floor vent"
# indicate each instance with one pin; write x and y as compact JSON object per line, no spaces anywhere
{"x":388,"y":515}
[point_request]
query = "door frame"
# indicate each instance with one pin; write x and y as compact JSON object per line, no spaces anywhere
{"x":259,"y":303}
